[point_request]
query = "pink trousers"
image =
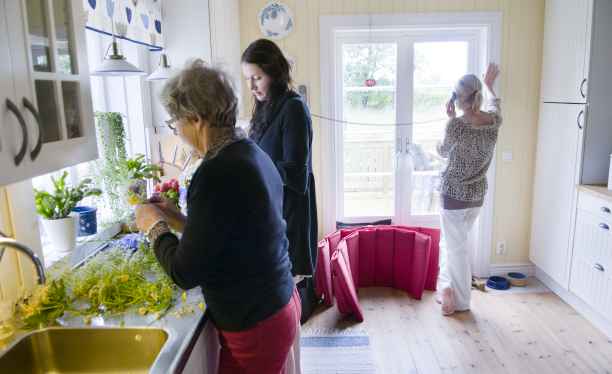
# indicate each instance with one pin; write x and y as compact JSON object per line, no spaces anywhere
{"x":263,"y":348}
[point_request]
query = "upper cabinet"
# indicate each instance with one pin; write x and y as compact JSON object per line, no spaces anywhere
{"x":566,"y":52}
{"x":47,"y":117}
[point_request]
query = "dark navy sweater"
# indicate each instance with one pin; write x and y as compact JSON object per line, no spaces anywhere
{"x":233,"y":244}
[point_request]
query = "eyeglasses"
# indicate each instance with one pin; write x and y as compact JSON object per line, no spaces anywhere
{"x":170,"y":122}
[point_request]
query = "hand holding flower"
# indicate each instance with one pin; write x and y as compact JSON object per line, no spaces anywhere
{"x":174,"y":217}
{"x":147,"y":215}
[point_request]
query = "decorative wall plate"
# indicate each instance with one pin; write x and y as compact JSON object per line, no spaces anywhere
{"x":291,"y":62}
{"x":276,"y":20}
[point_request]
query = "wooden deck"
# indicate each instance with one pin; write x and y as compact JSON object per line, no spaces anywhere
{"x":502,"y":333}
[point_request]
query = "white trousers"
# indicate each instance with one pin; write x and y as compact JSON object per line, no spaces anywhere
{"x":455,"y":271}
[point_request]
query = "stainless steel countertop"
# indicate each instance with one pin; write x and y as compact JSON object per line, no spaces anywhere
{"x":182,"y":332}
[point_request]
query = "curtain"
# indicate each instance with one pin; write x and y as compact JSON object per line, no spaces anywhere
{"x":138,"y":21}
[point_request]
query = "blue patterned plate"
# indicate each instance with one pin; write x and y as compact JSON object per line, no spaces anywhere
{"x":276,"y":20}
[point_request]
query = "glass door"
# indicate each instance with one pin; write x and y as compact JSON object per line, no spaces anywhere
{"x":387,"y":167}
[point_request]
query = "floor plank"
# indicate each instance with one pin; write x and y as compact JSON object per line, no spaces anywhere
{"x":503,"y":333}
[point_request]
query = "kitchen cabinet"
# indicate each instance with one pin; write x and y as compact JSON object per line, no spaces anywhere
{"x":47,"y":122}
{"x":566,"y":52}
{"x":574,"y":130}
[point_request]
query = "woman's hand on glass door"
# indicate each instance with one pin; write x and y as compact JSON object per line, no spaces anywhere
{"x":488,"y":78}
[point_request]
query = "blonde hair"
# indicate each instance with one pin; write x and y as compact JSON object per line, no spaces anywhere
{"x":469,"y":89}
{"x":211,"y":91}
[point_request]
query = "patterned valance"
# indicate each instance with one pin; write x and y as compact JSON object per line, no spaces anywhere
{"x":138,"y":21}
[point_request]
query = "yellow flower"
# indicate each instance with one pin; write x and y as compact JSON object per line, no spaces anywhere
{"x":153,"y":287}
{"x":154,"y":296}
{"x":185,"y":296}
{"x":133,"y":201}
{"x":178,"y":316}
{"x":138,"y":337}
{"x":143,"y":310}
{"x":124,"y":277}
{"x":201,"y":306}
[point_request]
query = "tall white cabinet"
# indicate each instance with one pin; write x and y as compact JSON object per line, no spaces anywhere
{"x":46,"y":112}
{"x":574,"y":146}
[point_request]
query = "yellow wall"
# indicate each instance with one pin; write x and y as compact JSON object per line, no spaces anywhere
{"x":521,"y":65}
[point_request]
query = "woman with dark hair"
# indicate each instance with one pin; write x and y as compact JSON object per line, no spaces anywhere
{"x":282,"y":127}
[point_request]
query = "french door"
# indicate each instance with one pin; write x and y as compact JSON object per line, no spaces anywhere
{"x":391,"y":93}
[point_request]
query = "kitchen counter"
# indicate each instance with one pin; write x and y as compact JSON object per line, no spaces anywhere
{"x":598,"y":190}
{"x":182,"y":332}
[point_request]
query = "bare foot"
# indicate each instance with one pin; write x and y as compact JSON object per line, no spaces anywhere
{"x":447,"y":301}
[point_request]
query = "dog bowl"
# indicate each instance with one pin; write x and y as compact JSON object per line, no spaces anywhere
{"x":517,"y":279}
{"x":498,"y":283}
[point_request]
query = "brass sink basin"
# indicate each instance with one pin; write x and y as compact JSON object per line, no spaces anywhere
{"x":74,"y":350}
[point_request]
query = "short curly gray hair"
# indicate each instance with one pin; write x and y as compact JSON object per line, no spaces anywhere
{"x":211,"y":91}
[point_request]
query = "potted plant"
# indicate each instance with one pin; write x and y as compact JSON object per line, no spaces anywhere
{"x":55,"y":209}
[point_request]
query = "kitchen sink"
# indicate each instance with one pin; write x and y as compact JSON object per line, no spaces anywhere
{"x":109,"y":350}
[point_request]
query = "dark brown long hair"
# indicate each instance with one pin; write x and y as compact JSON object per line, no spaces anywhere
{"x":266,"y":54}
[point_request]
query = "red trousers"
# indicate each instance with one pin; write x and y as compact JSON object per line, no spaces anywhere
{"x":263,"y":348}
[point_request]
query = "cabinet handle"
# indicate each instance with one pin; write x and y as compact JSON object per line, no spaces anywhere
{"x":24,"y":130}
{"x":578,"y":119}
{"x":605,"y":209}
{"x":582,"y":84}
{"x":604,"y":226}
{"x":598,"y":267}
{"x":32,"y":109}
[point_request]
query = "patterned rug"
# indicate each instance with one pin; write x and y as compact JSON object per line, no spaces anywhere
{"x":346,"y":352}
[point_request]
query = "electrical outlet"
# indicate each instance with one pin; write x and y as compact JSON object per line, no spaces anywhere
{"x":501,"y":248}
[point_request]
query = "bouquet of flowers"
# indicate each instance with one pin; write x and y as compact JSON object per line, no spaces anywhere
{"x":184,"y":181}
{"x":135,"y":191}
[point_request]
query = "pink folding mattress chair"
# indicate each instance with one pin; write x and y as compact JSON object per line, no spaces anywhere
{"x":405,"y":258}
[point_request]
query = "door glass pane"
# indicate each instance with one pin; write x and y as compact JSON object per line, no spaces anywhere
{"x":39,"y":37}
{"x":70,"y":95}
{"x":368,"y":80}
{"x":63,"y":36}
{"x":45,"y":98}
{"x":436,"y":68}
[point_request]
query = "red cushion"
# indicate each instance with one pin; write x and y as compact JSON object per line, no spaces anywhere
{"x":402,"y":259}
{"x":385,"y":247}
{"x":352,"y":245}
{"x":345,"y":291}
{"x":431,"y":280}
{"x":367,"y":257}
{"x":420,"y":265}
{"x":323,"y":277}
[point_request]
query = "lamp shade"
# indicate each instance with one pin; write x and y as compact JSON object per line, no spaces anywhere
{"x":164,"y":71}
{"x":115,"y":65}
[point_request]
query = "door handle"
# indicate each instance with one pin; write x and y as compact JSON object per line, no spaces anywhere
{"x":582,"y":84}
{"x":604,"y":226}
{"x":32,"y":109}
{"x":24,"y":130}
{"x":599,"y":267}
{"x":408,"y":150}
{"x":578,"y":119}
{"x":399,"y":151}
{"x":605,"y":209}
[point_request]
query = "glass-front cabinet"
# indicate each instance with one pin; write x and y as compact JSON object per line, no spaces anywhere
{"x":47,"y":118}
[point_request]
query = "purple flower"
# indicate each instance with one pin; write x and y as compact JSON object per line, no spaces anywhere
{"x":128,"y":13}
{"x":158,"y":26}
{"x":135,"y":189}
{"x":129,"y":242}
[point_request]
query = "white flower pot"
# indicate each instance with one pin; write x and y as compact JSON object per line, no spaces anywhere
{"x":62,"y":233}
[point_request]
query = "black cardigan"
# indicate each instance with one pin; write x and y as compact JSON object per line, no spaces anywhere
{"x":288,"y":142}
{"x":233,"y":244}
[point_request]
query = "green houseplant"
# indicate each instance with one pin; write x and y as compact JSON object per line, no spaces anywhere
{"x":61,"y":228}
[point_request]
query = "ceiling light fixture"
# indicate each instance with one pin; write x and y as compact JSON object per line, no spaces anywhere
{"x":165,"y":69}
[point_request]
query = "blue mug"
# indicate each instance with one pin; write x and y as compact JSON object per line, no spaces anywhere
{"x":88,"y":223}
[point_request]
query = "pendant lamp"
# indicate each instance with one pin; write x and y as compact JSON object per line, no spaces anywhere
{"x":114,"y":64}
{"x":165,"y":69}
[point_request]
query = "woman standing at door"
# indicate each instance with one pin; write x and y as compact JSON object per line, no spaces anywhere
{"x":469,"y":143}
{"x":282,"y":127}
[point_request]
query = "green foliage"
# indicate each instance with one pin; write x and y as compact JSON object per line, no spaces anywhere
{"x":111,"y":170}
{"x":141,"y":168}
{"x":48,"y":303}
{"x":64,"y":198}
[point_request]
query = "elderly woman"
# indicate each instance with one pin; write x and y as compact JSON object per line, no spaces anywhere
{"x":469,"y":142}
{"x":233,"y":244}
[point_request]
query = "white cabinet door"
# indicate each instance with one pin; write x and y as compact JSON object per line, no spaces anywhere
{"x":554,"y":201}
{"x":593,"y":237}
{"x":49,"y":57}
{"x":11,"y":117}
{"x":592,"y":282}
{"x":566,"y":53}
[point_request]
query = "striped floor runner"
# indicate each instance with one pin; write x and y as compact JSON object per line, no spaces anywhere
{"x":336,"y":352}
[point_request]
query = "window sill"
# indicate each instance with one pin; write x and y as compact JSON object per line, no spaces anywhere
{"x":85,"y":247}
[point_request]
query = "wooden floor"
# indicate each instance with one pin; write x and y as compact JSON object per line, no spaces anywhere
{"x":502,"y":333}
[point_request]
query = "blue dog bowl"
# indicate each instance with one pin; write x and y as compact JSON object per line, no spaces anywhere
{"x":88,"y":223}
{"x":498,"y":283}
